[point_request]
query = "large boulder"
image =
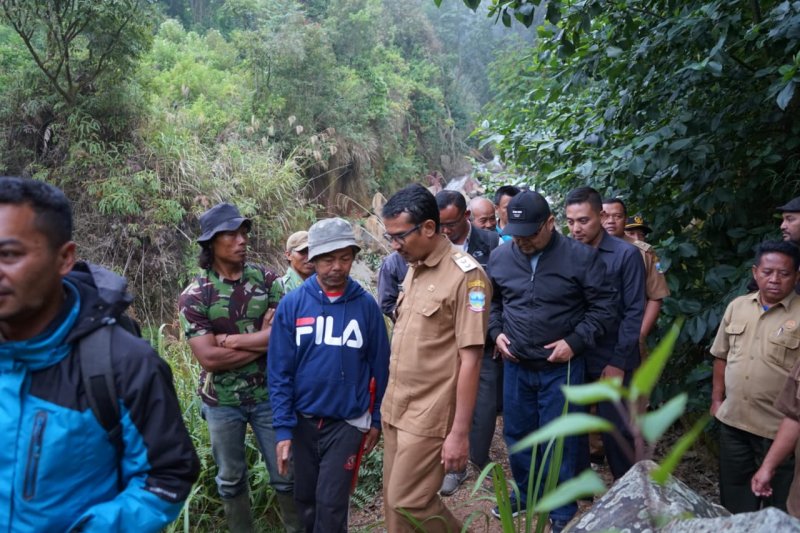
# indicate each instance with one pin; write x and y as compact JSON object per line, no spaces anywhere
{"x":769,"y":520}
{"x":636,"y":503}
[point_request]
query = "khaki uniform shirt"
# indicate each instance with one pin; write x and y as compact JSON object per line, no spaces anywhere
{"x":444,"y":306}
{"x":760,"y":347}
{"x":655,"y":283}
{"x":788,"y":403}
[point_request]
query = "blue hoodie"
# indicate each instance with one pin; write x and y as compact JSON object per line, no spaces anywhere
{"x":322,"y":355}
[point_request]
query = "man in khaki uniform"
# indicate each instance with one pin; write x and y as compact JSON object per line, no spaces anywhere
{"x":437,"y":346}
{"x":655,"y":285}
{"x":784,"y":445}
{"x":757,"y":344}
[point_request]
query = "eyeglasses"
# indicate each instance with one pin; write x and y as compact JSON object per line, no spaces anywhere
{"x":449,"y":225}
{"x":452,"y":225}
{"x":401,"y":237}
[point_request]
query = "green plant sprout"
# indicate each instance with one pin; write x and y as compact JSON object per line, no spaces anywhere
{"x":646,"y":429}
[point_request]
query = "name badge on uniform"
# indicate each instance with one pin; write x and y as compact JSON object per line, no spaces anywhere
{"x":464,"y":262}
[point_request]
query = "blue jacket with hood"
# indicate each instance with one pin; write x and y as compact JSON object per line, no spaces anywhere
{"x":322,"y":355}
{"x":58,"y":469}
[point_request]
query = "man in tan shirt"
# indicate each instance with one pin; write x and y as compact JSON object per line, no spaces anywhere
{"x":784,"y":445}
{"x":757,"y":344}
{"x":437,"y":345}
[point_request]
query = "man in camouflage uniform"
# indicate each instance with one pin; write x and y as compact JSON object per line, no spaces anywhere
{"x":226,"y":315}
{"x":300,"y":268}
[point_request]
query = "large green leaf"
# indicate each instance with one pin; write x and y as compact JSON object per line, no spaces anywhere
{"x":647,"y":375}
{"x":656,"y":423}
{"x":588,"y":483}
{"x":563,"y":426}
{"x":785,"y":96}
{"x":599,"y":391}
{"x":662,"y":473}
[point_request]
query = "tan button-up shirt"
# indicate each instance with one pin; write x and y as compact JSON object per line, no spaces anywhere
{"x":442,"y":308}
{"x":760,"y":347}
{"x":655,"y":283}
{"x":788,"y":403}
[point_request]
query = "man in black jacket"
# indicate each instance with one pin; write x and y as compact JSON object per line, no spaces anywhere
{"x":455,"y":224}
{"x":617,"y":353}
{"x":550,"y":305}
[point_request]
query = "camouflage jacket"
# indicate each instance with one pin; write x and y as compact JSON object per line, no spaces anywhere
{"x":291,"y":280}
{"x":214,"y":305}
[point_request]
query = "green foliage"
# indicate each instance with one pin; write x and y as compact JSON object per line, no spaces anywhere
{"x":76,"y":43}
{"x":686,"y":110}
{"x":370,"y":478}
{"x":203,"y":510}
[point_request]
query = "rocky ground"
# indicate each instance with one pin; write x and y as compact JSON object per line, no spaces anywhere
{"x":698,"y":470}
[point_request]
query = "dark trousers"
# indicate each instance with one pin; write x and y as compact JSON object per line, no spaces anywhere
{"x":324,"y":460}
{"x":740,"y":455}
{"x":532,"y":399}
{"x":484,"y":417}
{"x":618,"y":460}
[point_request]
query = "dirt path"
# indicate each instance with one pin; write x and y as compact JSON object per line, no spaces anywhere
{"x":698,"y":470}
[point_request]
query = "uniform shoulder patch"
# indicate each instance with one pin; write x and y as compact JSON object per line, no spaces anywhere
{"x":643,"y":245}
{"x":464,"y":261}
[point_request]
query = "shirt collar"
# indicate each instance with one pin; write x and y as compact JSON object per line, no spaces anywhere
{"x":465,"y":244}
{"x":443,"y":247}
{"x":786,"y":302}
{"x":605,"y":243}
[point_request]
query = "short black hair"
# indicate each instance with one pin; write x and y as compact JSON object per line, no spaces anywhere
{"x":53,"y":210}
{"x":415,"y":200}
{"x":616,"y":200}
{"x":505,"y":190}
{"x":445,"y":199}
{"x":583,"y":195}
{"x":779,"y":247}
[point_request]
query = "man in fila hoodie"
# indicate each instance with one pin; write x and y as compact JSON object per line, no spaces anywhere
{"x":328,"y":342}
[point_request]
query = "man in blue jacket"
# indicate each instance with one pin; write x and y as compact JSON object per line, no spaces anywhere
{"x":391,"y":274}
{"x":328,"y":342}
{"x":551,"y":304}
{"x":60,"y":469}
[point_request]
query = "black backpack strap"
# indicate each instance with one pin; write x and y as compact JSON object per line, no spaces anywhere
{"x":97,"y":374}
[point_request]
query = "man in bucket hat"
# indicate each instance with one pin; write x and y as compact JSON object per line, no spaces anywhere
{"x":329,"y":342}
{"x":300,"y":268}
{"x":226,"y":314}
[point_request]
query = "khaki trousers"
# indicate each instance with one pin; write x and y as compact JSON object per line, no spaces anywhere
{"x":412,"y":475}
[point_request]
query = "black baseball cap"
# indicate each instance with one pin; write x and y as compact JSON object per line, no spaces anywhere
{"x":527,"y":212}
{"x":637,"y":222}
{"x":221,"y":217}
{"x":793,"y":206}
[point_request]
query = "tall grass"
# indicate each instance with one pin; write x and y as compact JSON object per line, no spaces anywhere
{"x":203,"y":510}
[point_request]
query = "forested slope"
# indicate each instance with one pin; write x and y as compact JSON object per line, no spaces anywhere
{"x":149,"y":112}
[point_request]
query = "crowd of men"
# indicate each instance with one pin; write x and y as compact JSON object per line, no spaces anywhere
{"x":493,"y":310}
